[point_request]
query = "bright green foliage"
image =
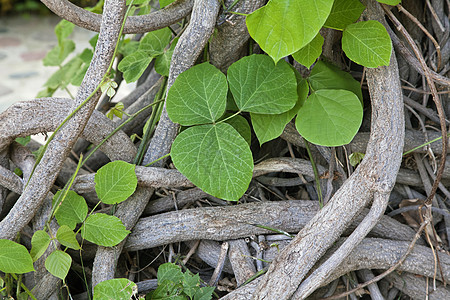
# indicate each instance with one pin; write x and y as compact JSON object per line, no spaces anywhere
{"x":308,"y":54}
{"x":109,"y":87}
{"x":58,"y":264}
{"x":260,"y":86}
{"x":198,"y":96}
{"x":103,"y":230}
{"x":86,"y":57}
{"x":162,"y":61}
{"x":39,"y":244}
{"x":269,"y":127}
{"x":241,"y":125}
{"x":59,"y":53}
{"x":282,"y":27}
{"x":174,"y":284}
{"x":330,"y":117}
{"x":72,"y":210}
{"x":344,"y":13}
{"x":390,"y":2}
{"x":151,"y":45}
{"x":23,"y":140}
{"x":216,"y":158}
{"x":117,"y":111}
{"x":118,"y":288}
{"x":14,"y":258}
{"x":367,"y":43}
{"x":164,"y":3}
{"x":327,"y":76}
{"x":115,"y":182}
{"x":67,"y":237}
{"x":62,"y":77}
{"x":355,"y":158}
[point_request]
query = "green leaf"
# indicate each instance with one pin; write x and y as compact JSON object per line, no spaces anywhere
{"x":260,"y":86}
{"x":117,"y":288}
{"x":191,"y":283}
{"x":115,"y":182}
{"x":93,"y":41}
{"x":67,"y":237}
{"x":63,"y":29}
{"x":103,"y":230}
{"x":164,"y":3}
{"x":39,"y":244}
{"x":134,"y":65}
{"x":59,"y":53}
{"x":215,"y":158}
{"x":58,"y":264}
{"x":367,"y":43}
{"x":269,"y":127}
{"x":308,"y":54}
{"x":344,"y":13}
{"x":204,"y":293}
{"x":330,"y":117}
{"x":72,"y":210}
{"x":198,"y":96}
{"x":282,"y":27}
{"x":327,"y":76}
{"x":77,"y":79}
{"x":154,"y":42}
{"x":242,"y":127}
{"x":162,"y":61}
{"x":129,"y":47}
{"x":23,"y":140}
{"x":14,"y":258}
{"x":390,"y":2}
{"x":63,"y":76}
{"x":355,"y":158}
{"x":169,"y":272}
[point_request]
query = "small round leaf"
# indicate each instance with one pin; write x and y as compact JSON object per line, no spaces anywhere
{"x":115,"y":182}
{"x":58,"y":264}
{"x":14,"y":258}
{"x":330,"y":117}
{"x":367,"y":43}
{"x":104,"y":230}
{"x":117,"y":288}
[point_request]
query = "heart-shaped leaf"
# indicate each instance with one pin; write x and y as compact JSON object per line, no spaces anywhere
{"x":73,"y":209}
{"x":327,"y":76}
{"x":39,"y":244}
{"x":269,"y":127}
{"x":308,"y":54}
{"x":117,"y":288}
{"x":198,"y":96}
{"x":260,"y":86}
{"x":330,"y":117}
{"x":67,"y":237}
{"x":282,"y":27}
{"x":104,"y":230}
{"x":367,"y":43}
{"x":58,"y":264}
{"x":344,"y":13}
{"x":216,"y":158}
{"x":14,"y":258}
{"x":115,"y":182}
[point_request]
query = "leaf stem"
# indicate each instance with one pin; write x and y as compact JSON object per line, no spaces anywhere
{"x":316,"y":174}
{"x":156,"y":160}
{"x":229,"y":117}
{"x":427,"y":143}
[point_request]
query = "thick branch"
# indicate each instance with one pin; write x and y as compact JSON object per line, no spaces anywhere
{"x":58,"y":149}
{"x":134,"y":24}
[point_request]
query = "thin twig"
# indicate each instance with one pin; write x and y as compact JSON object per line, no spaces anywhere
{"x":388,"y":271}
{"x":441,"y":113}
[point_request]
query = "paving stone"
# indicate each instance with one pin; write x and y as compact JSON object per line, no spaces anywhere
{"x":9,"y":42}
{"x":23,"y":75}
{"x":33,"y":55}
{"x":4,"y":90}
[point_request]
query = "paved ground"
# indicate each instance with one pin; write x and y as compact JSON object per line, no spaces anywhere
{"x":24,"y":42}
